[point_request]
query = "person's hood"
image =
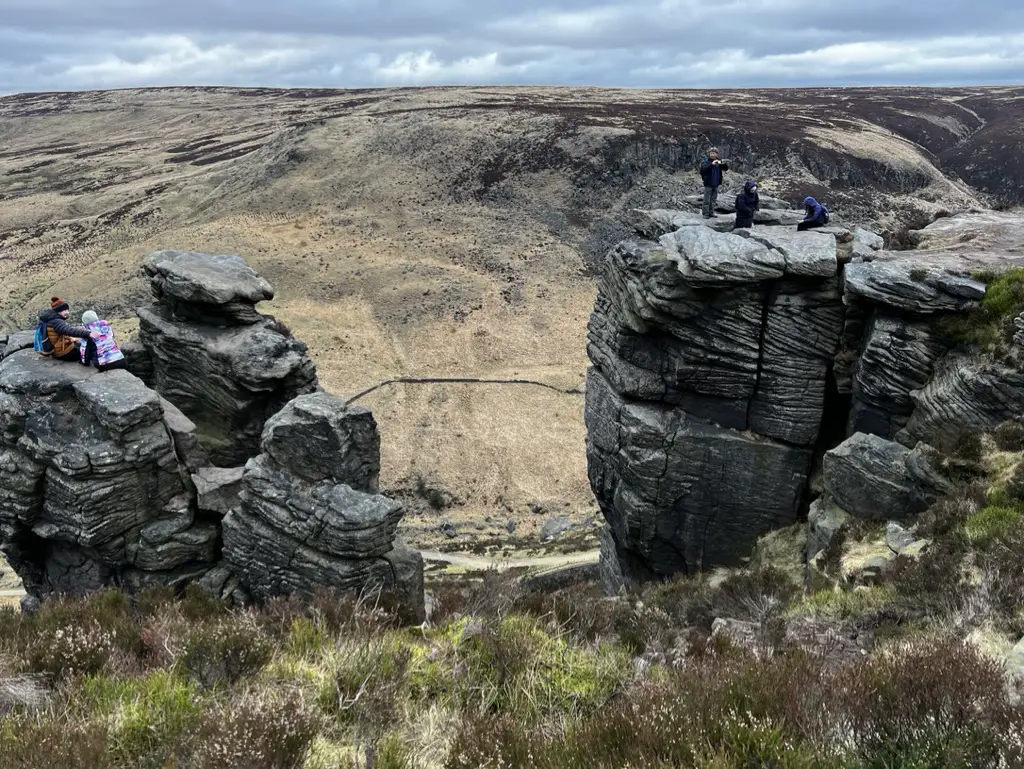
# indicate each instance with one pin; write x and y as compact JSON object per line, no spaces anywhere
{"x":809,"y":201}
{"x":748,"y":185}
{"x":47,"y":315}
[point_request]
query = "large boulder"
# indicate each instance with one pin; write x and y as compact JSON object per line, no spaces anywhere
{"x":660,"y":479}
{"x":870,"y":477}
{"x":211,"y":354}
{"x":308,"y":515}
{"x":967,"y":393}
{"x":207,"y":288}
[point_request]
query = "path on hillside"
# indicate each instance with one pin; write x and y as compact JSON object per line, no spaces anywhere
{"x":499,"y":562}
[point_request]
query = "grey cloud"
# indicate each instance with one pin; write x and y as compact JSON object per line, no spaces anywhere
{"x":68,"y":44}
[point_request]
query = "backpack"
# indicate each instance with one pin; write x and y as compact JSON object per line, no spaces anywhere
{"x":41,"y":343}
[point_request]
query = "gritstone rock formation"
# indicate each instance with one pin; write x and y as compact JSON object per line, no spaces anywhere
{"x":725,"y":364}
{"x":213,"y":355}
{"x":309,"y":514}
{"x":106,"y":481}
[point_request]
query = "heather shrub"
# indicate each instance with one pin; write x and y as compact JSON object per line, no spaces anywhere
{"x":197,"y":605}
{"x":71,"y":650}
{"x":72,"y":636}
{"x":224,"y":650}
{"x":52,"y":740}
{"x":934,"y":702}
{"x":1009,"y":435}
{"x":493,"y":595}
{"x":365,"y":613}
{"x":258,"y":731}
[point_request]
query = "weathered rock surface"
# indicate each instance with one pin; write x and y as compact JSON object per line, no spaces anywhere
{"x":105,"y":481}
{"x":207,"y":288}
{"x":726,"y":365}
{"x":808,"y":254}
{"x":226,"y":367}
{"x":871,"y":477}
{"x":659,"y":475}
{"x":966,"y":393}
{"x":307,"y":516}
{"x":825,"y":520}
{"x":898,"y":357}
{"x":92,"y":491}
{"x":905,"y":285}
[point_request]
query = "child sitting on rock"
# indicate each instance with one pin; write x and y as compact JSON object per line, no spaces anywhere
{"x":101,"y":350}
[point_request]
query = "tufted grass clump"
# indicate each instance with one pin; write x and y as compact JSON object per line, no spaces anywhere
{"x":990,"y":324}
{"x":146,"y":717}
{"x":991,"y":522}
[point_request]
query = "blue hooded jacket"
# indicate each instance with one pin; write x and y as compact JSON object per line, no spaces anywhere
{"x":747,"y":202}
{"x":816,"y":211}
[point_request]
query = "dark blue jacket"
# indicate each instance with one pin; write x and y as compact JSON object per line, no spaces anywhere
{"x":712,"y":174}
{"x":747,"y":203}
{"x":815,"y":211}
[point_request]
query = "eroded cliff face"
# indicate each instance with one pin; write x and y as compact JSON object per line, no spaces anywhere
{"x":726,"y":363}
{"x":234,"y":471}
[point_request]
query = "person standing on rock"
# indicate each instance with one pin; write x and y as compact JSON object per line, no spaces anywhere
{"x":747,"y":202}
{"x":101,"y":351}
{"x":711,"y":171}
{"x":56,"y":337}
{"x":815,"y":215}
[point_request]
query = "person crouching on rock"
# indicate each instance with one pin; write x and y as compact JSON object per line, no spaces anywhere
{"x":60,"y":338}
{"x":101,"y":350}
{"x":711,"y":170}
{"x":815,"y":215}
{"x":747,"y":202}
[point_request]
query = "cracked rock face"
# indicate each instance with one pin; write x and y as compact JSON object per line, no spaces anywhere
{"x":92,"y":488}
{"x":104,"y":481}
{"x":711,"y":355}
{"x":726,"y":365}
{"x":309,"y":515}
{"x":226,"y":366}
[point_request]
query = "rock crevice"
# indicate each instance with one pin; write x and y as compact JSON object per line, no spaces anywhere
{"x":718,"y":358}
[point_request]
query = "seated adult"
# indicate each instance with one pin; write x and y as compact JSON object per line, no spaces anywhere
{"x":60,"y":338}
{"x":815,"y":215}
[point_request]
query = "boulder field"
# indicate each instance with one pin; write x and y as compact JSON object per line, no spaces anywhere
{"x":737,"y":377}
{"x":216,"y":458}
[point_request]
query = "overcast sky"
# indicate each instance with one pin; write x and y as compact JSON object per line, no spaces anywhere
{"x":85,"y":44}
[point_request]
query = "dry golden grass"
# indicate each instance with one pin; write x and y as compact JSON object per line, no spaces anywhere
{"x":392,"y":251}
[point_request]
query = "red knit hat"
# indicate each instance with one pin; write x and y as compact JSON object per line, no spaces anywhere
{"x":58,"y":305}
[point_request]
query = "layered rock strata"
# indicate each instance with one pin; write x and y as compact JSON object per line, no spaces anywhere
{"x":233,"y":471}
{"x":309,"y":515}
{"x":226,"y":366}
{"x":726,"y":364}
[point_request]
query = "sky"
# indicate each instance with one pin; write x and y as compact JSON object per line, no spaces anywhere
{"x":59,"y":45}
